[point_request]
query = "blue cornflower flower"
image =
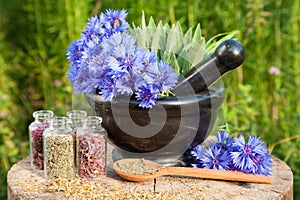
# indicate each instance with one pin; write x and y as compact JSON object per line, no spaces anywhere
{"x":224,"y":145}
{"x":197,"y":153}
{"x":215,"y":158}
{"x":127,"y":63}
{"x":98,"y":61}
{"x":125,"y":84}
{"x":116,"y":20}
{"x":89,"y":50}
{"x":74,"y":55}
{"x":262,"y":164}
{"x":74,"y":52}
{"x":86,"y":81}
{"x":167,"y":78}
{"x":119,"y":44}
{"x":147,"y":95}
{"x":122,"y":49}
{"x":72,"y":73}
{"x":108,"y":88}
{"x":99,"y":28}
{"x":91,"y":31}
{"x":251,"y":157}
{"x":147,"y":58}
{"x":163,"y":74}
{"x":225,"y":142}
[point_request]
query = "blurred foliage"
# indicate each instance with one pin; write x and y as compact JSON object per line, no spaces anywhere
{"x":34,"y":35}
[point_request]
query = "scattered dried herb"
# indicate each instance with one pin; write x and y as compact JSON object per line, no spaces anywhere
{"x":83,"y":189}
{"x":37,"y":154}
{"x":138,"y":167}
{"x":59,"y":156}
{"x":91,"y":155}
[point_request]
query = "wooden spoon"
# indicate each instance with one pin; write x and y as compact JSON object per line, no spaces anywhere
{"x":154,"y":170}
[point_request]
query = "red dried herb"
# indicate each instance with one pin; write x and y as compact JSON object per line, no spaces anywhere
{"x":37,"y":145}
{"x":91,"y":155}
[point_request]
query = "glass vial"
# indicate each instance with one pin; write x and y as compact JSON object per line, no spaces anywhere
{"x":36,"y":130}
{"x":58,"y":149}
{"x":76,"y":118}
{"x":91,"y":146}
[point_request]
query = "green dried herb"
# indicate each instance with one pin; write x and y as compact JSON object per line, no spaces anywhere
{"x":137,"y":167}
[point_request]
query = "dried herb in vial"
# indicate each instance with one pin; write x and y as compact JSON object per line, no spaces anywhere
{"x":36,"y":130}
{"x":58,"y":149}
{"x":91,"y":155}
{"x":37,"y":147}
{"x":59,"y":156}
{"x":91,"y":149}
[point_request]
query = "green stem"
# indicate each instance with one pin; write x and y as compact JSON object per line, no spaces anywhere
{"x":284,"y":140}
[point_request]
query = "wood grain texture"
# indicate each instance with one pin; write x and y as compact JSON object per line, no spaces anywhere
{"x":25,"y":184}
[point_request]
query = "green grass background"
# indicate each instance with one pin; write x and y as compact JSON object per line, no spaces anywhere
{"x":34,"y":35}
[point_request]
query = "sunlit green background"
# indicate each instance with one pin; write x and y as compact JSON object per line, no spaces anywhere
{"x":34,"y":35}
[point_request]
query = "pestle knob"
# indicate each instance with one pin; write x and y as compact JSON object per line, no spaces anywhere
{"x":228,"y":55}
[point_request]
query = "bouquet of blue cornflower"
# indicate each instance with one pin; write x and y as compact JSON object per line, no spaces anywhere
{"x":111,"y":59}
{"x":108,"y":61}
{"x":237,"y":154}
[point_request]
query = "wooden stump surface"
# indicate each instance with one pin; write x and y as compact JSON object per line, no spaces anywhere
{"x":23,"y":183}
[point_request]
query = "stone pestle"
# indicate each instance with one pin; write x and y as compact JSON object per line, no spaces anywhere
{"x":228,"y":55}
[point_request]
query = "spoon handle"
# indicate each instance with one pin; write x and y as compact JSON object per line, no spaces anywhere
{"x":216,"y":174}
